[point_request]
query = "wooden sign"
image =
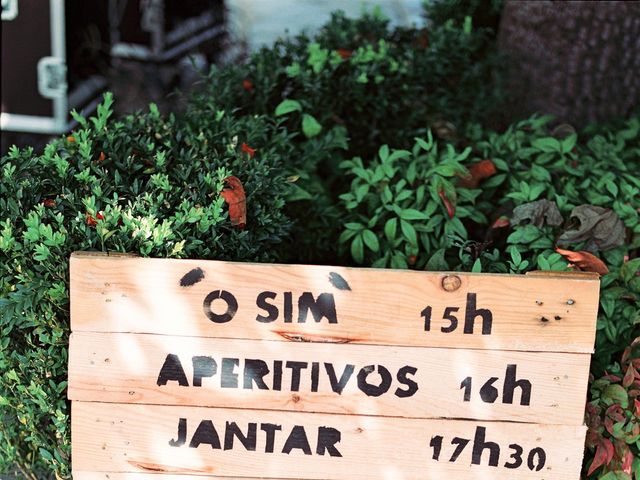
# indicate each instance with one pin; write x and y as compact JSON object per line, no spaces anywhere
{"x":227,"y":370}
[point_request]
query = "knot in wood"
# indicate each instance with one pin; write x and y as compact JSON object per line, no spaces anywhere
{"x":451,"y":283}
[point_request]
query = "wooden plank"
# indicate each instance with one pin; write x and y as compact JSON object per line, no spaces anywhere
{"x":77,"y":475}
{"x":420,"y":382}
{"x":124,"y":294}
{"x":136,"y":438}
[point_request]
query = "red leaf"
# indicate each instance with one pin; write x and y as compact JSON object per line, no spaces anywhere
{"x":592,"y":438}
{"x":247,"y":85}
{"x":49,"y":202}
{"x":629,"y":376}
{"x":451,"y":208}
{"x":501,"y":222}
{"x":626,"y":354}
{"x":627,"y":461}
{"x":584,"y":261}
{"x":422,"y":40}
{"x":90,"y":220}
{"x":344,"y":53}
{"x":478,"y":171}
{"x":235,"y":197}
{"x":71,"y":139}
{"x":604,"y":454}
{"x":636,"y":403}
{"x":102,"y":157}
{"x":611,"y":377}
{"x":615,"y":412}
{"x":411,"y":260}
{"x":248,"y":150}
{"x":608,"y":424}
{"x":100,"y":216}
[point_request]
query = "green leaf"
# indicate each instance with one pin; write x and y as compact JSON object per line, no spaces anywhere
{"x":317,"y":56}
{"x":437,"y":262}
{"x":616,"y":394}
{"x":383,"y":153}
{"x":310,"y":126}
{"x":354,"y":226}
{"x":403,"y":195}
{"x":411,"y":173}
{"x":79,"y":118}
{"x":524,"y":234}
{"x":46,"y":454}
{"x":413,"y":214}
{"x":390,"y":229}
{"x":362,"y":78}
{"x":361,"y":192}
{"x":494,"y":181}
{"x":515,"y":255}
{"x":397,"y":154}
{"x":631,"y":269}
{"x":468,"y":25}
{"x":450,"y":169}
{"x":298,"y":193}
{"x":424,"y":145}
{"x":288,"y":106}
{"x":536,"y":190}
{"x":409,"y":232}
{"x":612,"y":188}
{"x":540,"y":173}
{"x":293,"y":70}
{"x":346,"y":235}
{"x":543,"y":263}
{"x":569,"y":142}
{"x":398,"y":260}
{"x":42,"y":253}
{"x":387,"y":195}
{"x":477,"y":266}
{"x":547,"y":144}
{"x":357,"y":249}
{"x":615,"y":476}
{"x":371,"y":240}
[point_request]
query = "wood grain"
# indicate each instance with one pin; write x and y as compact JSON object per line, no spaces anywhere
{"x":124,"y":368}
{"x":77,"y":475}
{"x":135,"y":438}
{"x":125,"y":294}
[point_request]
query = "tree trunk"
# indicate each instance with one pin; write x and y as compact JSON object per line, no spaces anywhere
{"x":577,"y":60}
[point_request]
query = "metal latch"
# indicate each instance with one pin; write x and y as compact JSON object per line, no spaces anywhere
{"x":52,"y":77}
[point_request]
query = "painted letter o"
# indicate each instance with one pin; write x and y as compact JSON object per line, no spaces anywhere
{"x":232,"y":306}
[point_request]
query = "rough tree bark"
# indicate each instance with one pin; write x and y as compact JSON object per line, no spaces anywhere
{"x":577,"y":60}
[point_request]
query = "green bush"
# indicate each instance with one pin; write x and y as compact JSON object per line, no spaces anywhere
{"x":436,"y":208}
{"x":484,"y":13}
{"x":383,"y":85}
{"x":613,"y":418}
{"x":370,"y":83}
{"x":145,"y":184}
{"x":420,"y":209}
